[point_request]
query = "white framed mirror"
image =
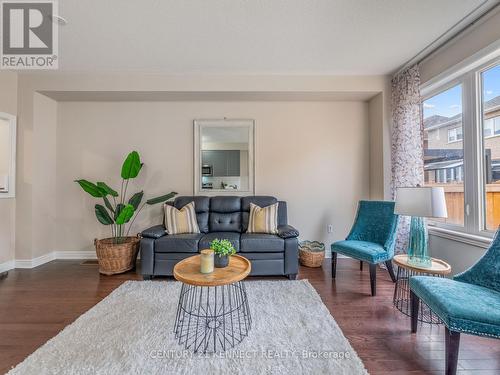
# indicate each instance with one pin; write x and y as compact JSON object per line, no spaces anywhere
{"x":7,"y":155}
{"x":224,"y":157}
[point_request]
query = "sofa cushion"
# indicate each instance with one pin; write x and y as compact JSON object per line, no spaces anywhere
{"x":225,"y":214}
{"x":263,"y":219}
{"x":234,"y":237}
{"x":181,"y":221}
{"x":259,"y":242}
{"x":201,"y":207}
{"x":259,"y":200}
{"x":178,"y":243}
{"x":463,"y":307}
{"x":362,"y":250}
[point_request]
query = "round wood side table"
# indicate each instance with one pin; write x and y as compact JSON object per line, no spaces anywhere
{"x":401,"y":300}
{"x":213,"y":313}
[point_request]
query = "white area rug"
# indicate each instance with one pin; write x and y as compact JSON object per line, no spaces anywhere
{"x":130,"y":332}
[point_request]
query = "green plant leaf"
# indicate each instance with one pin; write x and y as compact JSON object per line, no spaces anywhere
{"x":91,"y":188}
{"x":135,"y":200}
{"x":102,"y":215}
{"x":222,"y":247}
{"x":131,"y":166}
{"x":119,"y":208}
{"x":108,"y":204}
{"x":125,"y":214}
{"x":107,"y":189}
{"x":161,"y":199}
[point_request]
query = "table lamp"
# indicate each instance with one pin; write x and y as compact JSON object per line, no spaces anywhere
{"x":420,"y":202}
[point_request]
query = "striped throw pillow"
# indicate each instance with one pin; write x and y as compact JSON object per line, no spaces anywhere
{"x":181,"y":221}
{"x":263,"y":219}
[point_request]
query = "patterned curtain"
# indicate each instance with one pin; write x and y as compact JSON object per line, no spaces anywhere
{"x":407,"y":141}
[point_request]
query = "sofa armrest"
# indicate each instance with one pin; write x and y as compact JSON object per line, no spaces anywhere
{"x":291,"y":256}
{"x":287,"y":231}
{"x":154,"y":232}
{"x":147,"y":256}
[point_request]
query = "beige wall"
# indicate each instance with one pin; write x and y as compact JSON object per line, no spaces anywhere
{"x":375,"y":112}
{"x":59,"y":141}
{"x":315,"y":155}
{"x":8,"y":104}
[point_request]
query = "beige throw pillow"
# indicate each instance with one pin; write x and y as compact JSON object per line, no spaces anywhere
{"x":263,"y":219}
{"x":181,"y":221}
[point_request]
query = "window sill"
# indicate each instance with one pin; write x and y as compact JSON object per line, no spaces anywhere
{"x":470,"y":239}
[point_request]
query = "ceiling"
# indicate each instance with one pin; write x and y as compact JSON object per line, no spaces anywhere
{"x":337,"y":37}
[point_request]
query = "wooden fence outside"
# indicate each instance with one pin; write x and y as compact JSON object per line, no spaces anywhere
{"x":454,"y":194}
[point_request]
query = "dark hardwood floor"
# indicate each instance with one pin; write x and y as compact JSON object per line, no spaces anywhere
{"x":36,"y":304}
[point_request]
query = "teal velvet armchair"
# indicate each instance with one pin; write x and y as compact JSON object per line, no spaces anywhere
{"x":371,"y":239}
{"x":470,"y":303}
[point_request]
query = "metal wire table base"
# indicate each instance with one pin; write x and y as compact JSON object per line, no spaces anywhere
{"x":401,"y":298}
{"x":212,"y":319}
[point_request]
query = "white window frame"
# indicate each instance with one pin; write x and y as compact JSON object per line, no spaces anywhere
{"x":452,"y":135}
{"x":468,"y":74}
{"x":492,"y":128}
{"x":459,"y":81}
{"x":11,"y":176}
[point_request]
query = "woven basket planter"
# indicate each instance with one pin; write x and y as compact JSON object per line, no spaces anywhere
{"x":116,"y":258}
{"x":311,"y":253}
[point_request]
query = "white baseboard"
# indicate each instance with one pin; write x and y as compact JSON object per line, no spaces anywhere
{"x":67,"y":255}
{"x":84,"y":254}
{"x":35,"y":262}
{"x":7,"y":266}
{"x":54,"y":255}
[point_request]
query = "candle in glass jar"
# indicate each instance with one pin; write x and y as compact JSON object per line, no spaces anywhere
{"x":207,"y":261}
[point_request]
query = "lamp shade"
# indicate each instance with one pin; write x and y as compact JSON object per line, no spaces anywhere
{"x":421,"y":202}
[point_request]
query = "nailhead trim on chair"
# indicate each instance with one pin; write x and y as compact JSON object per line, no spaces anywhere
{"x":452,"y":327}
{"x":456,"y":329}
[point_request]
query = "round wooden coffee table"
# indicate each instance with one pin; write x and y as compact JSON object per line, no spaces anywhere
{"x":401,"y":300}
{"x":213,"y":314}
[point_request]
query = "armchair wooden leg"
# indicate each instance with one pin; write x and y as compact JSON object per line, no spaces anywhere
{"x":334,"y":264}
{"x":414,"y":304}
{"x":452,"y":343}
{"x":373,"y":278}
{"x":361,"y":265}
{"x":388,"y":264}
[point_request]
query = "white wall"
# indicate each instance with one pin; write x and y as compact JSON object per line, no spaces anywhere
{"x":459,"y":255}
{"x":315,"y":155}
{"x":8,"y":104}
{"x":4,"y":147}
{"x":473,"y":40}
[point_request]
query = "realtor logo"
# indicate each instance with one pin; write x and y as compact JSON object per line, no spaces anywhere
{"x":29,"y":37}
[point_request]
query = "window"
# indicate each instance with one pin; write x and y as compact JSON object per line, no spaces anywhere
{"x":490,"y":110}
{"x":463,"y":109}
{"x":455,"y":134}
{"x":491,"y":126}
{"x":443,"y":160}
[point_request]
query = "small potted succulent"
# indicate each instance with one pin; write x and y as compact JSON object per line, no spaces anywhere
{"x":223,"y":249}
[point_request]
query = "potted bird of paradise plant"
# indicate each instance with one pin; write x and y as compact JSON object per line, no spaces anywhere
{"x":118,"y":253}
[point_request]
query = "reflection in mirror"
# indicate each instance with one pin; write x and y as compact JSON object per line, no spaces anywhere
{"x":7,"y":155}
{"x":225,"y":156}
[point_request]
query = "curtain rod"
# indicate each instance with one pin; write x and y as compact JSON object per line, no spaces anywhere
{"x":482,"y":11}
